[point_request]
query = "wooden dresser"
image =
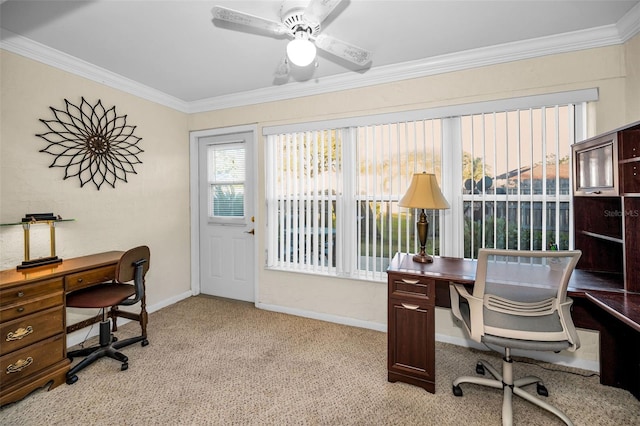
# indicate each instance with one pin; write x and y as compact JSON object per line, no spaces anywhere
{"x":33,"y":345}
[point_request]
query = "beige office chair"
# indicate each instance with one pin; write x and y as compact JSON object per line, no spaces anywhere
{"x":519,"y":301}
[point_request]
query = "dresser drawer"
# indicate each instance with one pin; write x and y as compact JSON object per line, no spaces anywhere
{"x":32,"y":305}
{"x":84,"y":279}
{"x":29,"y":329}
{"x":27,"y":361}
{"x":26,"y":292}
{"x":411,"y":286}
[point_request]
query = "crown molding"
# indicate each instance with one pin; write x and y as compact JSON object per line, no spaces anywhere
{"x":629,"y":25}
{"x":39,"y":52}
{"x":603,"y":36}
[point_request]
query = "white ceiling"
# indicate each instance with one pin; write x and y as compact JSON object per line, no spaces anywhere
{"x":172,"y":52}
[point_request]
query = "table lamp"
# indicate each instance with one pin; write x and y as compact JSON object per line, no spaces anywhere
{"x":423,"y":193}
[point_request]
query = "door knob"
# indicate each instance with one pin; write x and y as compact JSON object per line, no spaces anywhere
{"x":252,"y":232}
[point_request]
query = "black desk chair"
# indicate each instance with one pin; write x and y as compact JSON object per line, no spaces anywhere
{"x":132,"y":266}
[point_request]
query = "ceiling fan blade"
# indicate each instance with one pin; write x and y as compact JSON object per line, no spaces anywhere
{"x":241,"y":18}
{"x":344,"y":50}
{"x":318,"y":10}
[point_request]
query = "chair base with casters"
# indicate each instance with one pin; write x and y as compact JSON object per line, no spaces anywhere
{"x":108,"y":347}
{"x":510,"y":387}
{"x":131,"y":267}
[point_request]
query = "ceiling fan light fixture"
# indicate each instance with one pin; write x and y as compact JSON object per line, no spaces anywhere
{"x":300,"y":50}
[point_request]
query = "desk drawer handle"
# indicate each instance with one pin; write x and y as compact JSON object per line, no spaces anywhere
{"x":406,"y":281}
{"x":19,"y":333}
{"x":79,"y":280}
{"x":20,"y":365}
{"x":408,"y":306}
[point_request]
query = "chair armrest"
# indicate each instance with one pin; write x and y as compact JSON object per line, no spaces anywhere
{"x":476,"y":328}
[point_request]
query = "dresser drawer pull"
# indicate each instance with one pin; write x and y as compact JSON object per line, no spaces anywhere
{"x":20,"y":309}
{"x":20,"y":365}
{"x":408,"y":306}
{"x":19,"y":333}
{"x":20,"y":294}
{"x":406,"y":281}
{"x":79,"y":280}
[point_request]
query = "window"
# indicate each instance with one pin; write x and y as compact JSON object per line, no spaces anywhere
{"x":226,"y":175}
{"x":332,"y":196}
{"x":516,"y":172}
{"x":387,"y":156}
{"x":332,"y":187}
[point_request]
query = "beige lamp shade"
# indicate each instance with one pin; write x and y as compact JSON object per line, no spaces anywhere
{"x":424,"y":193}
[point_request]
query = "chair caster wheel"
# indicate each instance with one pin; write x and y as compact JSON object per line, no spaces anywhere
{"x":145,"y":342}
{"x":71,"y":380}
{"x":542,"y":390}
{"x":480,"y":369}
{"x":114,"y":339}
{"x":457,"y":391}
{"x":124,"y":366}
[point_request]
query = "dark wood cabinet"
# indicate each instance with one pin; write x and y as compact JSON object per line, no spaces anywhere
{"x":607,"y":225}
{"x":411,"y":329}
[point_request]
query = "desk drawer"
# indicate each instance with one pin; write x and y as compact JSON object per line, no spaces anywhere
{"x":30,"y":360}
{"x":412,"y":287}
{"x":29,"y":329}
{"x":26,"y":292}
{"x":84,"y":279}
{"x":32,"y":305}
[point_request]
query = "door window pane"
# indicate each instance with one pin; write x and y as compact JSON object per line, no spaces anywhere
{"x":226,"y":175}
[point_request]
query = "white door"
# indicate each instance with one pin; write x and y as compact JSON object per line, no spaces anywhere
{"x":226,"y":174}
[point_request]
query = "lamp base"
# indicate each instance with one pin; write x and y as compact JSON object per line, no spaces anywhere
{"x":422,"y":258}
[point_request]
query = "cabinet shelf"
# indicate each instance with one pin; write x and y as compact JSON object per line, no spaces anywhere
{"x":603,"y":237}
{"x":607,"y":227}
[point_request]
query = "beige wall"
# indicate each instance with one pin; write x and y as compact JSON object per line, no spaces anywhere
{"x":365,"y":302}
{"x":632,"y":56}
{"x":152,"y":208}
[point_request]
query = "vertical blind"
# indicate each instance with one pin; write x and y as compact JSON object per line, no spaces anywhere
{"x":303,"y":188}
{"x":387,"y":156}
{"x":517,"y":174}
{"x":333,"y":187}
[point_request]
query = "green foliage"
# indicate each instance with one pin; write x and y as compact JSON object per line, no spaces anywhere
{"x":506,"y":238}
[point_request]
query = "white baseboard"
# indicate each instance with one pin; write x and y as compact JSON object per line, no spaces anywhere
{"x":81,"y":335}
{"x":324,"y":317}
{"x":541,"y":356}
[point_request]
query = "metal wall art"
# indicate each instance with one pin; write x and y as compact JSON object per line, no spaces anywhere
{"x":92,"y":143}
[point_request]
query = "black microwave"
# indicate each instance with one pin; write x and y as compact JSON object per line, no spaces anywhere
{"x":595,"y":165}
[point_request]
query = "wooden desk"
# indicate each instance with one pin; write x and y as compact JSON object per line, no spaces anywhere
{"x":415,"y":289}
{"x":33,"y":321}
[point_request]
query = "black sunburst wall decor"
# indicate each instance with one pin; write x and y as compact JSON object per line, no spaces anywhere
{"x":92,"y":143}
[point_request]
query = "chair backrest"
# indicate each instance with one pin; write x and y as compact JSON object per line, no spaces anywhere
{"x":133,"y":266}
{"x":544,"y":274}
{"x":519,"y":283}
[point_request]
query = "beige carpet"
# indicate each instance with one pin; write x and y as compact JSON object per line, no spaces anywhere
{"x":220,"y":362}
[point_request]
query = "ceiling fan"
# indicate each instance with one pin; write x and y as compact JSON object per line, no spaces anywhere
{"x":302,"y":25}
